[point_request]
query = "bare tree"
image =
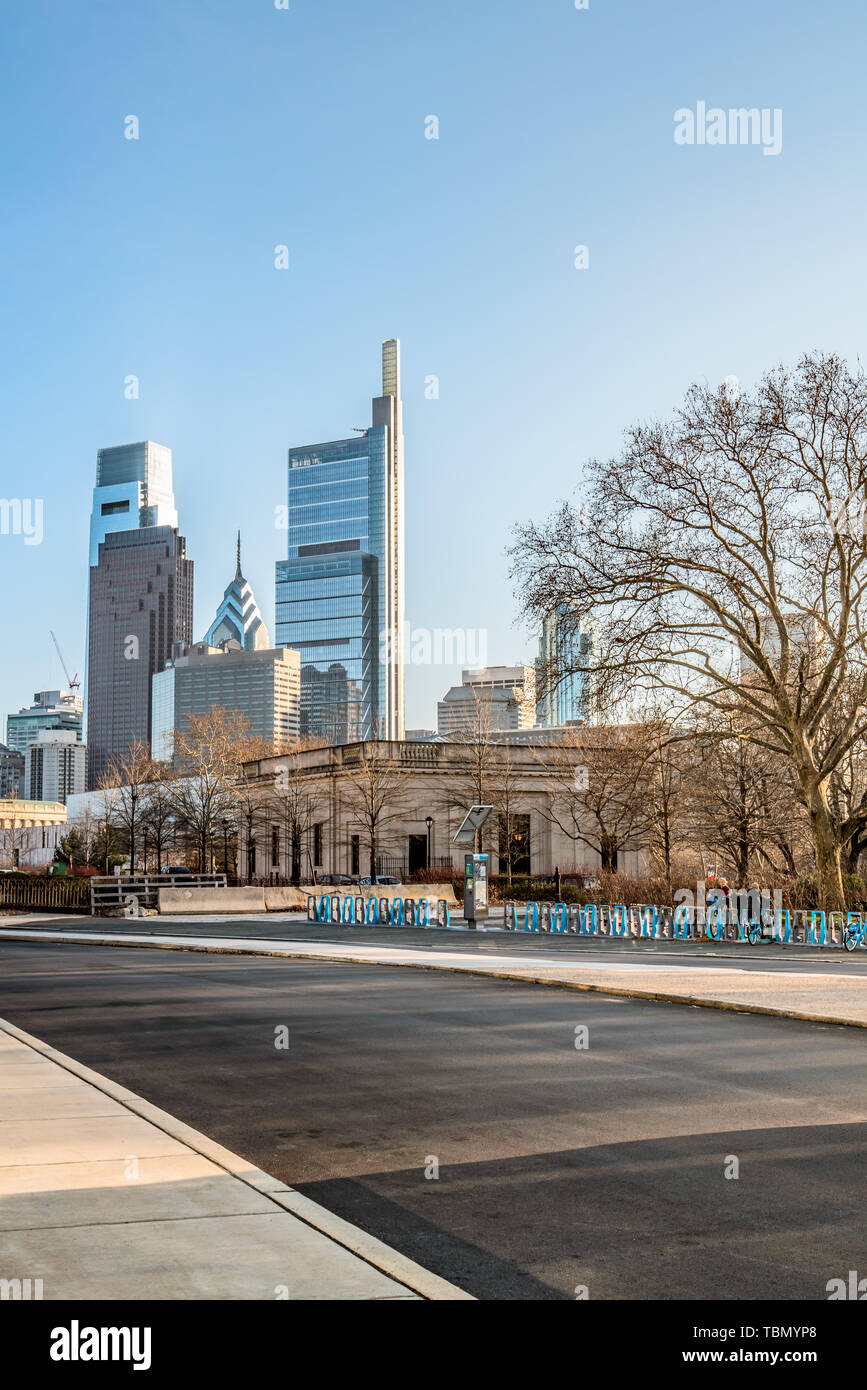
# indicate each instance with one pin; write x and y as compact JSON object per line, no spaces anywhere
{"x":599,"y":779}
{"x":208,"y":753}
{"x":472,"y":774}
{"x":84,"y":826}
{"x":723,"y":556}
{"x":668,"y":775}
{"x":847,"y":793}
{"x":159,"y":819}
{"x":372,"y":793}
{"x":130,"y":774}
{"x":106,"y":845}
{"x":506,"y":792}
{"x":743,"y":806}
{"x":294,"y":804}
{"x":249,"y":805}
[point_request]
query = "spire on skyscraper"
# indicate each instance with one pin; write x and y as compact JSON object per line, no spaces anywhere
{"x":238,"y":618}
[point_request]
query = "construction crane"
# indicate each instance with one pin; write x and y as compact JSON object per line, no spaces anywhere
{"x":72,"y":681}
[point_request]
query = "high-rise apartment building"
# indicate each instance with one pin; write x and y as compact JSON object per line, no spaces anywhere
{"x":55,"y":767}
{"x":51,"y":709}
{"x":340,"y":592}
{"x":141,"y":604}
{"x":263,"y":686}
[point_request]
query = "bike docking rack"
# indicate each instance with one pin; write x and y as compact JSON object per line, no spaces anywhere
{"x":603,"y":921}
{"x":716,"y":922}
{"x":347,"y":910}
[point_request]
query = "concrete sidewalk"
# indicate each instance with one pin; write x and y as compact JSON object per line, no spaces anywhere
{"x":103,"y":1196}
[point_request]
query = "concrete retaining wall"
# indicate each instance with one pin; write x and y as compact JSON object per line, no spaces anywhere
{"x":392,"y":890}
{"x":180,"y":901}
{"x":286,"y":899}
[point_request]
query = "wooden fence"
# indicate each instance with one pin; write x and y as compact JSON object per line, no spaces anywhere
{"x":54,"y":894}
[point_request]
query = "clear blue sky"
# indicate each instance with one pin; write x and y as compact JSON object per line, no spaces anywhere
{"x":306,"y":127}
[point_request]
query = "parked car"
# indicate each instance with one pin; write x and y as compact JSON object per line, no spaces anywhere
{"x":387,"y":880}
{"x":334,"y":881}
{"x":177,"y":870}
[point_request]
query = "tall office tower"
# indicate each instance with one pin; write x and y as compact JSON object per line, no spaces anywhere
{"x":340,"y":594}
{"x":238,"y":618}
{"x":565,"y":652}
{"x":262,"y":685}
{"x":51,"y":709}
{"x":141,"y":604}
{"x":133,"y":489}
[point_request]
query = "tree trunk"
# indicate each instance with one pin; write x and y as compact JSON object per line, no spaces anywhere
{"x":852,"y":853}
{"x":608,"y":856}
{"x":742,"y":860}
{"x":828,"y":857}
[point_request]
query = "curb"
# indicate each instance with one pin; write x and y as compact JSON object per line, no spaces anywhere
{"x":366,"y":1247}
{"x":284,"y":952}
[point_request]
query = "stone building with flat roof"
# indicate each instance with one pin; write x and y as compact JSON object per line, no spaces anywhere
{"x":419,"y":782}
{"x":30,"y":831}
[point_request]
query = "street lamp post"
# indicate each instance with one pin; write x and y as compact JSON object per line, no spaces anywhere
{"x":428,"y":820}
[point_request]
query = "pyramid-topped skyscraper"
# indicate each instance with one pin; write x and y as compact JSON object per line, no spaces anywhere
{"x":238,"y":618}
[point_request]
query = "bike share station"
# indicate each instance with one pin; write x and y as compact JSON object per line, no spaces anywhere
{"x":475,"y":866}
{"x":717,"y":921}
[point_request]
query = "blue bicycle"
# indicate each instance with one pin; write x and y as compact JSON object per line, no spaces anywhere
{"x":854,"y":934}
{"x":759,"y":928}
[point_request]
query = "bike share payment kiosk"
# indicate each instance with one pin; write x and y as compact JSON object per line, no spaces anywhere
{"x":475,"y":888}
{"x":475,"y":866}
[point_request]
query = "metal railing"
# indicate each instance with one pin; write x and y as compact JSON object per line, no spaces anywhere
{"x":110,"y":893}
{"x":397,"y":866}
{"x":58,"y":893}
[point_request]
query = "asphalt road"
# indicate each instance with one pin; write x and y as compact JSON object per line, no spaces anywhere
{"x":585,"y":950}
{"x":558,"y":1168}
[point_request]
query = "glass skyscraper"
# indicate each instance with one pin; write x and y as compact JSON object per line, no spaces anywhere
{"x":340,"y":593}
{"x":133,"y":489}
{"x":51,"y":709}
{"x":565,"y":654}
{"x":133,"y":493}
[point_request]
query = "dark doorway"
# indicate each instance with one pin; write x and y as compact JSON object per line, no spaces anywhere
{"x":417,"y":852}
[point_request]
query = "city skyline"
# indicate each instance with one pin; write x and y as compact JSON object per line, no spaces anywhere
{"x":177,"y":326}
{"x":433,"y":858}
